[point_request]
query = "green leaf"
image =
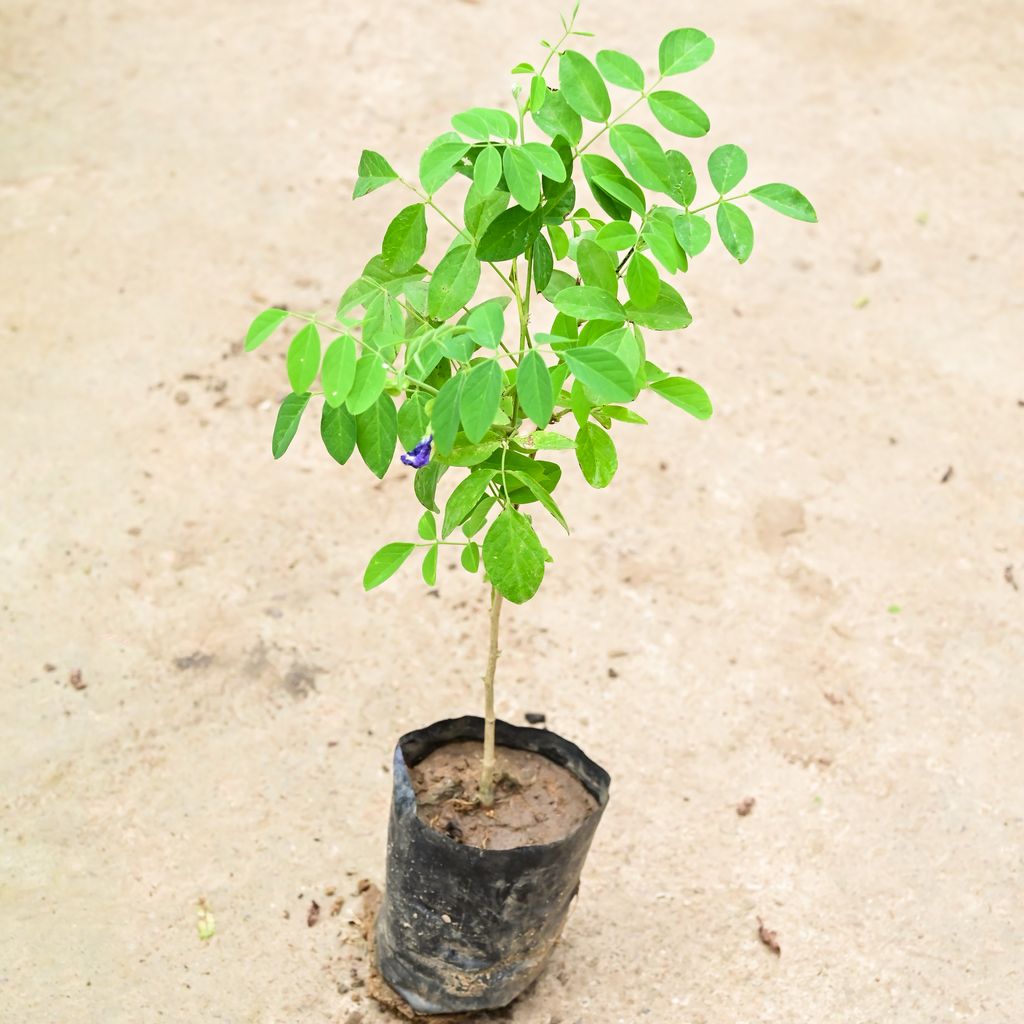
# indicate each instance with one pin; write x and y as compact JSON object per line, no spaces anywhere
{"x":538,"y":92}
{"x":580,"y":403}
{"x":590,"y":332}
{"x":601,"y":372}
{"x":405,"y":239}
{"x":642,"y":155}
{"x":376,"y":434}
{"x":595,"y":166}
{"x":556,"y":118}
{"x":560,"y":372}
{"x":510,"y":234}
{"x":456,"y":346}
{"x":413,"y":421}
{"x":549,"y":441}
{"x":685,"y":49}
{"x":522,"y":177}
{"x":595,"y":453}
{"x":679,"y":114}
{"x":686,"y":394}
{"x":374,"y":172}
{"x":623,"y":190}
{"x":487,"y":169}
{"x":583,"y":87}
{"x":667,"y":313}
{"x":727,"y":166}
{"x":444,"y":419}
{"x":545,"y":159}
{"x":785,"y":199}
{"x":453,"y":283}
{"x":481,"y":208}
{"x":424,"y":484}
{"x":423,"y":355}
{"x":481,"y":123}
{"x":383,"y":325}
{"x":617,"y":412}
{"x":586,"y":303}
{"x":533,"y":385}
{"x":338,"y":432}
{"x":430,"y":566}
{"x":427,"y":527}
{"x":304,"y":358}
{"x":692,"y":232}
{"x":559,"y":199}
{"x":471,"y":557}
{"x":559,"y":241}
{"x":514,"y":557}
{"x":524,"y":68}
{"x":596,"y":266}
{"x":288,"y":416}
{"x":464,"y":499}
{"x":358,"y":293}
{"x":560,"y":280}
{"x":437,"y":165}
{"x":475,"y":523}
{"x":481,"y":396}
{"x":487,"y":322}
{"x":682,"y":180}
{"x":465,"y":453}
{"x":263,"y":327}
{"x":616,"y":236}
{"x":621,"y":70}
{"x":338,"y":372}
{"x":546,"y":472}
{"x":385,"y":563}
{"x":543,"y":263}
{"x":735,"y":231}
{"x":370,"y":378}
{"x":541,"y":494}
{"x":642,"y":281}
{"x":661,"y":239}
{"x":622,"y":343}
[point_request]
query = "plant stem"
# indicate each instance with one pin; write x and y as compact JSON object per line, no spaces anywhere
{"x":719,"y":200}
{"x":580,"y":150}
{"x":487,"y":768}
{"x":429,"y":201}
{"x":554,"y":49}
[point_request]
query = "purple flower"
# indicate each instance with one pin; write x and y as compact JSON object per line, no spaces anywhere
{"x":420,"y":455}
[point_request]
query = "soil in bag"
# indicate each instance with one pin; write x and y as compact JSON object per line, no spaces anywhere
{"x":535,"y":800}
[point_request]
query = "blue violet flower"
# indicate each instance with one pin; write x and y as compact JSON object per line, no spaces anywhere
{"x":420,"y":455}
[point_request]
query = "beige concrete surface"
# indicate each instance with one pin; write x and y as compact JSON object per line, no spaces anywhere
{"x":169,"y":169}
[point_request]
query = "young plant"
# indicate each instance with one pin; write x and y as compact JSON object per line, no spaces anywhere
{"x":529,"y":335}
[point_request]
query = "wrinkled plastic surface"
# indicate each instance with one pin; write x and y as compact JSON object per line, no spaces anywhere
{"x":462,"y":928}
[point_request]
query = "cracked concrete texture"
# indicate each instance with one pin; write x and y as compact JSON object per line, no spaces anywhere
{"x":785,"y":603}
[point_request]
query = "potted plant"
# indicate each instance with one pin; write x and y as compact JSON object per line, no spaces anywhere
{"x":527,"y":339}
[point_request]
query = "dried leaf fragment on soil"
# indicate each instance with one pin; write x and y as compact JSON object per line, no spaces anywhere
{"x":768,"y":937}
{"x":206,"y":924}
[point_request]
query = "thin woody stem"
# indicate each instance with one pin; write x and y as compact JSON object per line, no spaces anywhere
{"x":487,"y":768}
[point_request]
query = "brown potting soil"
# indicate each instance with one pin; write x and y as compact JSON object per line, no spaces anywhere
{"x":535,"y":801}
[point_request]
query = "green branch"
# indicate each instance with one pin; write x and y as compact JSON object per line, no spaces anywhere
{"x":615,"y":120}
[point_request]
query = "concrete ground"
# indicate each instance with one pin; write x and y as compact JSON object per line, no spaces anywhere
{"x":814,"y":600}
